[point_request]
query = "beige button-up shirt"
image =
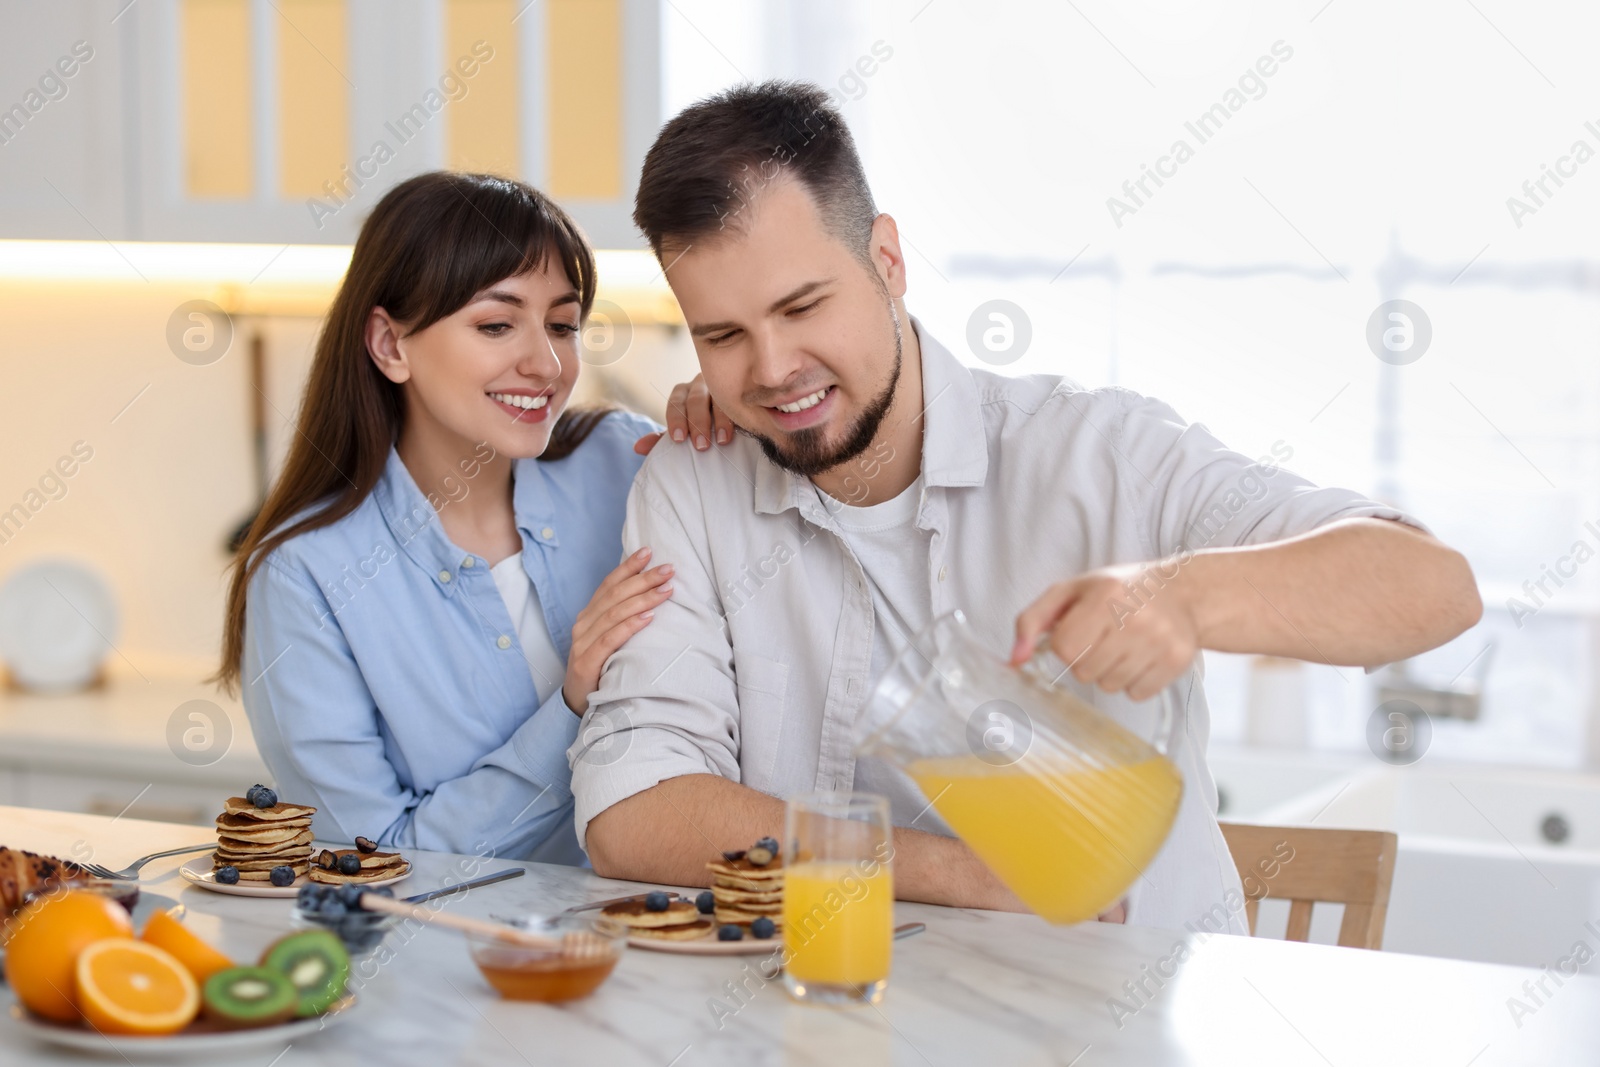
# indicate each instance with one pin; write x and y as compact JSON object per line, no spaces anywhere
{"x":758,"y":666}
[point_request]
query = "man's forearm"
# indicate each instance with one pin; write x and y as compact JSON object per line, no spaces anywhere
{"x":1361,"y":592}
{"x":669,"y":832}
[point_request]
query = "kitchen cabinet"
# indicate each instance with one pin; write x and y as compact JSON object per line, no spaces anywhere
{"x":283,"y":121}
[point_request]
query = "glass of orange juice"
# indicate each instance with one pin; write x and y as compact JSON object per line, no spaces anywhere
{"x":838,"y":898}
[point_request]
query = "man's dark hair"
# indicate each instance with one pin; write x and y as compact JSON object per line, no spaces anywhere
{"x":710,"y":162}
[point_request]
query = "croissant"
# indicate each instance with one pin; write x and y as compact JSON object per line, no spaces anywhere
{"x":23,"y":873}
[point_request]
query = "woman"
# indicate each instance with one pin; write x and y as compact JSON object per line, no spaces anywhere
{"x":407,"y":616}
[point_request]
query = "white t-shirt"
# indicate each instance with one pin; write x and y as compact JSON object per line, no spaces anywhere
{"x":549,"y":670}
{"x":894,"y":555}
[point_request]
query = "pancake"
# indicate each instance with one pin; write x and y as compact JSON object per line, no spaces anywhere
{"x":231,"y":824}
{"x":300,"y":854}
{"x":370,"y":861}
{"x":322,"y":874}
{"x":725,"y":895}
{"x":743,"y":868}
{"x":272,"y":839}
{"x":637,"y":916}
{"x":700,"y":928}
{"x":266,"y":875}
{"x":261,"y":864}
{"x":748,"y":915}
{"x":253,"y":839}
{"x":239,"y":807}
{"x":752,"y":885}
{"x":288,"y":848}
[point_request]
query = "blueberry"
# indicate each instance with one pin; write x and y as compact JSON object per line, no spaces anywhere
{"x":768,"y":843}
{"x":332,"y":908}
{"x":730,"y":933}
{"x":384,"y":891}
{"x":227,"y":875}
{"x":349,"y":863}
{"x":350,"y":896}
{"x":281,"y":876}
{"x":657,"y":901}
{"x":261,"y":796}
{"x":735,"y":856}
{"x":762,"y":928}
{"x":759,"y":856}
{"x":309,"y":897}
{"x":706,"y":902}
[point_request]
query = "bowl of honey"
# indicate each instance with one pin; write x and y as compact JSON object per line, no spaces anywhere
{"x":578,"y":954}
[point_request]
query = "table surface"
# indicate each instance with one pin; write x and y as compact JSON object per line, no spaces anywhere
{"x":976,"y":987}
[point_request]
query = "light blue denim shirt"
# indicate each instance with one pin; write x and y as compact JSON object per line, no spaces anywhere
{"x":383,"y":677}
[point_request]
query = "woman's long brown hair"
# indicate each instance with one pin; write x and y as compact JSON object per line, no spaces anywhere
{"x":431,"y":244}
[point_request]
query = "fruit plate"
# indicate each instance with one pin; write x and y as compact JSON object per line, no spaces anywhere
{"x":710,"y":946}
{"x":198,"y":872}
{"x":197,"y":1039}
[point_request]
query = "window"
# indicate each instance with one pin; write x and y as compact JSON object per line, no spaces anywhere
{"x":1336,"y":156}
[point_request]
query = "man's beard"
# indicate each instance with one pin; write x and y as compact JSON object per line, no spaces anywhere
{"x":806,"y":454}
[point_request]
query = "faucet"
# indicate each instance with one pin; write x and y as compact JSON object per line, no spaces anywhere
{"x":1452,"y":701}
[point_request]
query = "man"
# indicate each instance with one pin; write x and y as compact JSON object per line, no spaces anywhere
{"x":878,"y":484}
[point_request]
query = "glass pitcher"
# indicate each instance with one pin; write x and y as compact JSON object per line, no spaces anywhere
{"x":1064,"y":805}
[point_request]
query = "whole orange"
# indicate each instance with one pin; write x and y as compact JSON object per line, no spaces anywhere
{"x":47,"y":936}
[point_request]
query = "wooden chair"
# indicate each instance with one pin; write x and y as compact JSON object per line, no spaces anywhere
{"x":1350,"y":867}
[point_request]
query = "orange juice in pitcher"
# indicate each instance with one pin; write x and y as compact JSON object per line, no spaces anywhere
{"x":1065,"y":806}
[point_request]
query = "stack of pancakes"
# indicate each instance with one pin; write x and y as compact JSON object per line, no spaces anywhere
{"x":375,"y":866}
{"x":255,"y":840}
{"x":745,"y":892}
{"x":680,"y":922}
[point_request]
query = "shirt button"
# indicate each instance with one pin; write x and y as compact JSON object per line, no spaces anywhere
{"x":444,"y":576}
{"x":547,"y":533}
{"x":503,"y":641}
{"x":467,"y":563}
{"x":942,"y":571}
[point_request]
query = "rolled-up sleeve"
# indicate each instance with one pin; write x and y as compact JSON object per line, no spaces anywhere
{"x":667,"y":704}
{"x":319,"y":731}
{"x":1196,"y":493}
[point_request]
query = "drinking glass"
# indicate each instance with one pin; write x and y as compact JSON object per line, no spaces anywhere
{"x":838,"y":898}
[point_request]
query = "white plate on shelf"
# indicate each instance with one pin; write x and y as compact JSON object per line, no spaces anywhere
{"x":198,"y":872}
{"x":190,"y":1042}
{"x":58,"y":622}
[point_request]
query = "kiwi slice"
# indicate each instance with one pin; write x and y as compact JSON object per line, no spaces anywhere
{"x":241,"y":997}
{"x":316,"y":964}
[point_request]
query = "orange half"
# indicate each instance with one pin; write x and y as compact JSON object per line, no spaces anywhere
{"x":130,"y":987}
{"x":203,"y":961}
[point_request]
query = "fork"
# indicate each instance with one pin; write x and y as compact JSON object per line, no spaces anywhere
{"x":131,"y":871}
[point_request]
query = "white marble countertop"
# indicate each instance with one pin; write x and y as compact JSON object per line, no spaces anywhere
{"x":977,"y":987}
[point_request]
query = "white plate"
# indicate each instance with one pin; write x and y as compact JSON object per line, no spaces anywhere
{"x":188,"y":1043}
{"x":58,"y":622}
{"x":710,"y":946}
{"x":198,"y":872}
